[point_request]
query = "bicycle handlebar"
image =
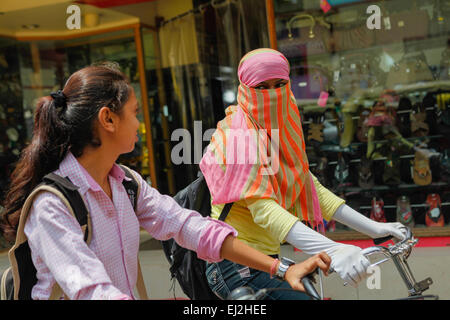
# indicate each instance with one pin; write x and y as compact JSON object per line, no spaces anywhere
{"x":404,"y":246}
{"x":310,"y":289}
{"x":399,"y":252}
{"x":379,"y":241}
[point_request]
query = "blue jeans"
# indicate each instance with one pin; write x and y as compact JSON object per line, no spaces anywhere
{"x":225,"y":276}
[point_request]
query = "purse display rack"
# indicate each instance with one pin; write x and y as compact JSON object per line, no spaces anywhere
{"x":336,"y":54}
{"x":339,"y":167}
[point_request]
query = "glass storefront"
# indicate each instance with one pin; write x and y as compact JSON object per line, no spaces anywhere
{"x":373,"y":86}
{"x":32,"y":69}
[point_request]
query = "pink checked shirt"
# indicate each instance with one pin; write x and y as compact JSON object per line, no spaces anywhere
{"x":107,"y":268}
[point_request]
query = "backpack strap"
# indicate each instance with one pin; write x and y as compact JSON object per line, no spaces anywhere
{"x":133,"y":189}
{"x":225,"y":211}
{"x":70,"y":192}
{"x":21,"y":239}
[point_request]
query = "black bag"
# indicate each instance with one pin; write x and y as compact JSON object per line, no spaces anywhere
{"x":18,"y":280}
{"x":185,"y":266}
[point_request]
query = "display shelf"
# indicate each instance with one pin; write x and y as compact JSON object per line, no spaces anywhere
{"x":423,"y":205}
{"x":402,"y":186}
{"x":406,"y":156}
{"x":321,"y":109}
{"x":354,"y":146}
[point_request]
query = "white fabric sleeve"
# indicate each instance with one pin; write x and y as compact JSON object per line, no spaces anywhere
{"x":357,"y":221}
{"x":309,"y":241}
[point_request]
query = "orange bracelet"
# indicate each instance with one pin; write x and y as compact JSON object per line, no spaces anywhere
{"x":272,"y":268}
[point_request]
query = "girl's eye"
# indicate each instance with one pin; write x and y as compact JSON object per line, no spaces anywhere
{"x":281,"y":84}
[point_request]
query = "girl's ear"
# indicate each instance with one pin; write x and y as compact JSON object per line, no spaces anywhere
{"x":107,"y":119}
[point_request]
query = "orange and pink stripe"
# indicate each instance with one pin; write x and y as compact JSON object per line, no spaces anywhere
{"x":263,"y":111}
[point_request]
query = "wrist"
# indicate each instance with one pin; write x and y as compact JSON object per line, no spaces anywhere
{"x":283,"y":267}
{"x":274,"y":267}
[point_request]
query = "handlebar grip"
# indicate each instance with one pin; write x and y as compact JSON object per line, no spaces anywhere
{"x":378,"y":241}
{"x":309,"y":288}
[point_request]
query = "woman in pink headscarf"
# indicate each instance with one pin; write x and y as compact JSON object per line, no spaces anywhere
{"x":256,"y":160}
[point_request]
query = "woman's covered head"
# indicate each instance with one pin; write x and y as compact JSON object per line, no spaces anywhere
{"x":263,"y":65}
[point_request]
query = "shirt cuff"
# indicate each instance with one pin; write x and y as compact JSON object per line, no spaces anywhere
{"x":211,"y":240}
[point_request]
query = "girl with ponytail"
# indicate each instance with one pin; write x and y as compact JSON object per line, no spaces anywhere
{"x":79,"y":132}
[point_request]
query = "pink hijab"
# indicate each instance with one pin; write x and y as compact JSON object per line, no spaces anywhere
{"x":261,"y":65}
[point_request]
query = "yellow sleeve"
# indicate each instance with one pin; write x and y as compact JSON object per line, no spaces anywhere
{"x":268,"y":214}
{"x":329,"y":202}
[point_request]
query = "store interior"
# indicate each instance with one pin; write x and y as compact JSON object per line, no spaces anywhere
{"x":374,"y":104}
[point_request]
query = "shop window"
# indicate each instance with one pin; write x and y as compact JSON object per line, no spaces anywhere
{"x":30,"y":70}
{"x":374,"y":104}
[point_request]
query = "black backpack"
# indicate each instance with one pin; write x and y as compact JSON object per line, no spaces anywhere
{"x":18,"y":280}
{"x":185,"y":266}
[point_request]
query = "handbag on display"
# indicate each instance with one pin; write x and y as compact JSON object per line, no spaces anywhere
{"x":391,"y":173}
{"x":419,"y":126}
{"x":332,"y":127}
{"x":377,"y":212}
{"x":404,"y":116}
{"x":349,"y":30}
{"x":404,"y":212}
{"x":363,"y":129}
{"x":434,"y":216}
{"x":304,"y":36}
{"x":342,"y":173}
{"x":421,"y":169}
{"x":320,"y":171}
{"x":315,"y":132}
{"x":356,"y":37}
{"x":366,"y":179}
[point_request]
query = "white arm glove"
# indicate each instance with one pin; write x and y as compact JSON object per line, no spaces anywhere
{"x":355,"y":220}
{"x":346,"y":260}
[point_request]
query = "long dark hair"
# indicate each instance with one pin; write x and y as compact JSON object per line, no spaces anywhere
{"x":63,"y":122}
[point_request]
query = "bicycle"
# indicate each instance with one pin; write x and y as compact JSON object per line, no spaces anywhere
{"x":398,"y":253}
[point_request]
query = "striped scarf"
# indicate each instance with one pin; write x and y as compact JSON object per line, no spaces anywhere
{"x":258,"y":151}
